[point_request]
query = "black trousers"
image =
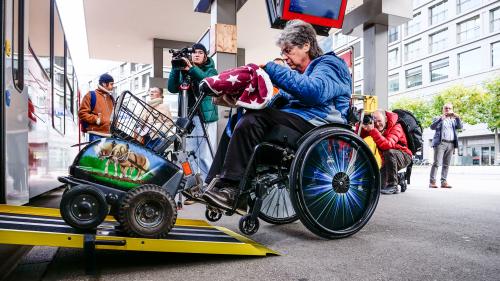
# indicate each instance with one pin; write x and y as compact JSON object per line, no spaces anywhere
{"x":394,"y":160}
{"x":233,"y":154}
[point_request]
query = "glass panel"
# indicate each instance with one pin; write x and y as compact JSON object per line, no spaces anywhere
{"x":468,"y":30}
{"x":475,"y":156}
{"x":58,"y":75}
{"x":414,"y":77}
{"x":439,"y":69}
{"x":437,"y":41}
{"x":495,"y":20}
{"x":464,"y":5}
{"x":412,"y":50}
{"x":468,"y":62}
{"x":413,"y":26}
{"x":18,"y":43}
{"x":393,"y":58}
{"x":145,"y":81}
{"x":394,"y":83}
{"x":492,"y":155}
{"x":438,"y":13}
{"x":485,"y":155}
{"x":393,"y":34}
{"x":358,"y":71}
{"x":39,"y":32}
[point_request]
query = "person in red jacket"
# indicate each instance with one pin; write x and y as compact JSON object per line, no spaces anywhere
{"x":390,"y":139}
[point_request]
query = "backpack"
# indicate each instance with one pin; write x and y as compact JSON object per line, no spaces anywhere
{"x":412,"y":128}
{"x":84,"y":125}
{"x":413,"y":131}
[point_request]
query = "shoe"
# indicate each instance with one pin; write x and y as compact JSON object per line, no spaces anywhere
{"x":445,"y":184}
{"x":390,"y":189}
{"x":433,"y":184}
{"x":224,"y":198}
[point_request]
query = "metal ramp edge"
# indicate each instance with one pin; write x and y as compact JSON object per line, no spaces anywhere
{"x":20,"y":225}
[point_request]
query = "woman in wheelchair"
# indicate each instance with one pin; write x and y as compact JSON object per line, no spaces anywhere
{"x":314,"y":90}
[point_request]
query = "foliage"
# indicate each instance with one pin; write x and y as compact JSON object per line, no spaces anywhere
{"x":468,"y":102}
{"x":420,"y":108}
{"x":493,"y":118}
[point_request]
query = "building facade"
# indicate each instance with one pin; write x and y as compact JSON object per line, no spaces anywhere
{"x":447,"y":42}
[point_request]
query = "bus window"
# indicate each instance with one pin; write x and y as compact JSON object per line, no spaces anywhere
{"x":58,"y":75}
{"x":18,"y":43}
{"x":69,"y":83}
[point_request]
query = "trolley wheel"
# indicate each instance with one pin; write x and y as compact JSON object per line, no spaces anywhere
{"x":147,"y":211}
{"x":83,"y":207}
{"x":335,"y":183}
{"x":248,"y":225}
{"x":212,"y":215}
{"x":277,"y":206}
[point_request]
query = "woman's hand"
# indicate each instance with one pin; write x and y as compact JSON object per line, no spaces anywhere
{"x":188,"y":64}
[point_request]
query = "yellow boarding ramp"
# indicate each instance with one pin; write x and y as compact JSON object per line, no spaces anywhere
{"x":34,"y":226}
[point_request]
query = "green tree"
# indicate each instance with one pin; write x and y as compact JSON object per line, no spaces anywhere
{"x":468,"y":102}
{"x":420,"y":108}
{"x":492,"y":116}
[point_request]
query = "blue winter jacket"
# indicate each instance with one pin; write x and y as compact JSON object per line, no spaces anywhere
{"x":320,"y":95}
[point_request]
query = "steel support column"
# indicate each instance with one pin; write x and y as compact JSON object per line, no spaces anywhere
{"x":375,"y":63}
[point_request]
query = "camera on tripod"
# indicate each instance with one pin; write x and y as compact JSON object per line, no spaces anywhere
{"x":177,"y":55}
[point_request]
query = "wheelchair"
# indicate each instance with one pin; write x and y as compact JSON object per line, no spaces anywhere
{"x":328,"y":178}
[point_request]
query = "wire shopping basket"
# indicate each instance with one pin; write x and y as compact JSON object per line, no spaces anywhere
{"x":136,"y":121}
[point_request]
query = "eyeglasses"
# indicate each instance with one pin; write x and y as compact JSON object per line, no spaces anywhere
{"x":447,"y":107}
{"x":286,"y":50}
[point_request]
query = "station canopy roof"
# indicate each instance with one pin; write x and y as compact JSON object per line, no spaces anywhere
{"x":123,"y":30}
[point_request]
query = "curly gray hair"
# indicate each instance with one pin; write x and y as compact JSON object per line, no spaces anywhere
{"x":298,"y":33}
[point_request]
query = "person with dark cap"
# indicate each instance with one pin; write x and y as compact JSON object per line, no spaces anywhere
{"x":200,"y":67}
{"x":96,"y":109}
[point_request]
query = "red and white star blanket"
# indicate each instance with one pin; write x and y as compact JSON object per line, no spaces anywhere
{"x":250,"y":84}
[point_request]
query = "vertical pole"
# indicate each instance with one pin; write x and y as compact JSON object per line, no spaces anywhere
{"x":223,"y":12}
{"x":375,"y":63}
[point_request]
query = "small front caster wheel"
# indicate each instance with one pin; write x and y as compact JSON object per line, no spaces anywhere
{"x":248,"y":225}
{"x":212,"y":215}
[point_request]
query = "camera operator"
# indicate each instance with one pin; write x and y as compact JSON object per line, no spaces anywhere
{"x":390,"y":139}
{"x":199,"y":67}
{"x":444,"y":142}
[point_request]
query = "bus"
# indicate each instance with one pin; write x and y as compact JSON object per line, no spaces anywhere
{"x":39,"y":128}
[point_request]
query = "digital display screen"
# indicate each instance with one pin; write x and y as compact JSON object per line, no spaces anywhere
{"x":319,"y":8}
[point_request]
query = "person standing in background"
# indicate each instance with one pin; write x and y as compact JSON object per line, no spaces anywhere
{"x":444,"y":142}
{"x":96,"y":109}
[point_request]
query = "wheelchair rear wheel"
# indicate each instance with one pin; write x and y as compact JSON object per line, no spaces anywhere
{"x":334,"y":183}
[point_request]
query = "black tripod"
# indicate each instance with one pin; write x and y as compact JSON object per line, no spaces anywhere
{"x":183,"y":113}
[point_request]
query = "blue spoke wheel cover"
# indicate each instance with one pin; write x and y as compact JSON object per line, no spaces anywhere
{"x":337,"y":185}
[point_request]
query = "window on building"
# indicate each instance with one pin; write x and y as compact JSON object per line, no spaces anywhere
{"x":358,"y":71}
{"x":464,"y":5}
{"x":122,"y":70}
{"x":393,"y":34}
{"x":495,"y":54}
{"x":393,"y":57}
{"x":340,"y":39}
{"x":414,"y":77}
{"x":394,"y":83}
{"x":439,"y":69}
{"x":468,"y":29}
{"x":495,"y":20}
{"x":133,"y":67}
{"x":357,"y":50}
{"x":412,"y":50}
{"x":357,"y":89}
{"x":468,"y":62}
{"x":145,"y":79}
{"x":438,"y":13}
{"x":438,"y":41}
{"x":136,"y":83}
{"x":413,"y":26}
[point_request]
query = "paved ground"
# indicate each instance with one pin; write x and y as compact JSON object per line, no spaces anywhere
{"x":422,"y":234}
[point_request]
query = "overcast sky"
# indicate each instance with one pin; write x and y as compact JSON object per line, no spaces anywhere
{"x":73,"y":20}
